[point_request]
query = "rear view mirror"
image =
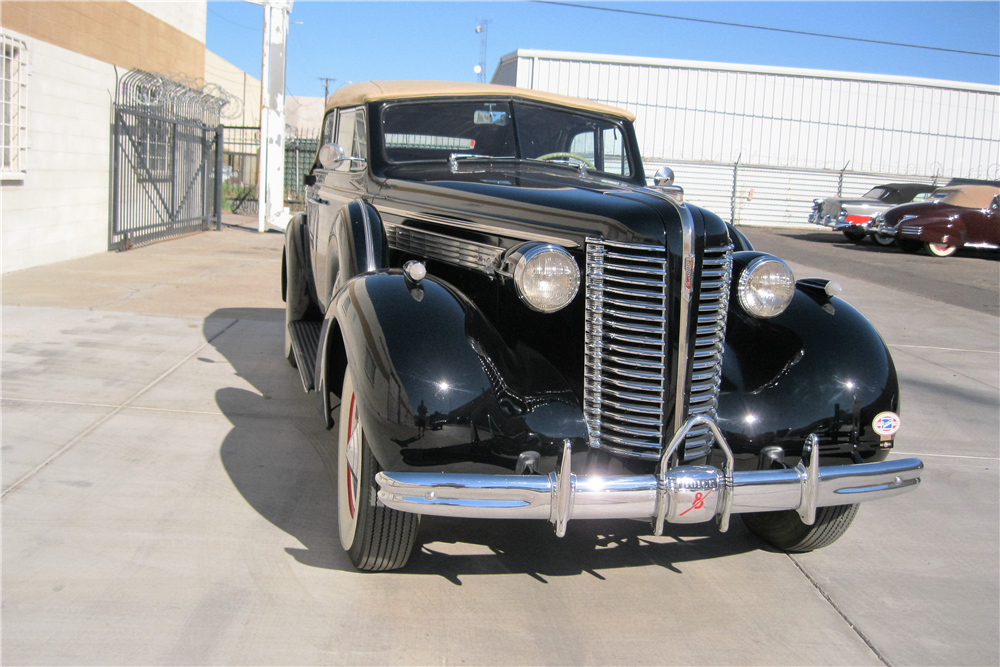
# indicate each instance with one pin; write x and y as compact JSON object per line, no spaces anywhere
{"x":490,"y":118}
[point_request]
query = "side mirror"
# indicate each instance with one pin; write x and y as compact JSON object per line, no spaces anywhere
{"x":663,"y":176}
{"x":331,"y":155}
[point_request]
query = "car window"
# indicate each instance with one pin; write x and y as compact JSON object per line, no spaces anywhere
{"x":436,"y":130}
{"x":351,"y":134}
{"x":417,"y":131}
{"x":329,"y":124}
{"x":875,"y":193}
{"x":546,"y":133}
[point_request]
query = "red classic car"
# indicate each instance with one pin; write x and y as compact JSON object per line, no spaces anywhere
{"x":954,"y":217}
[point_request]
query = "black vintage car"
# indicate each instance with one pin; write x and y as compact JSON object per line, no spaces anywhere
{"x":501,"y":319}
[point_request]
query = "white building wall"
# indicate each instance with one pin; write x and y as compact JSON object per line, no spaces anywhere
{"x":783,"y":117}
{"x":60,"y":210}
{"x":188,"y":16}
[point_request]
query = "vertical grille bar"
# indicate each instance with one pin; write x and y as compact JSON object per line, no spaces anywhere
{"x":625,"y":381}
{"x":710,"y":336}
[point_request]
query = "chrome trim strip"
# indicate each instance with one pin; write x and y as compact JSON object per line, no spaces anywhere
{"x":367,"y":224}
{"x":480,"y":227}
{"x":686,"y":288}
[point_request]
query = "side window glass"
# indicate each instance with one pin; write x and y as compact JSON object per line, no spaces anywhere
{"x":329,"y":124}
{"x":615,"y":160}
{"x":583,"y":145}
{"x":359,"y":147}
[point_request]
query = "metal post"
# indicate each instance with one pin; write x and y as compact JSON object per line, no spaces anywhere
{"x":172,"y":214}
{"x":204,"y":178}
{"x":732,"y":201}
{"x":218,"y":177}
{"x":116,"y":175}
{"x":270,"y":199}
{"x":840,"y":181}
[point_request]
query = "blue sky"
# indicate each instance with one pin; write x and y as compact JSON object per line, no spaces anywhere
{"x":358,"y":41}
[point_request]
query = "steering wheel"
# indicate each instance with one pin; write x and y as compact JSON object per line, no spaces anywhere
{"x":574,"y":156}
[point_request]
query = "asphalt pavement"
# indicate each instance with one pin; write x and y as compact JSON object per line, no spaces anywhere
{"x":166,"y":500}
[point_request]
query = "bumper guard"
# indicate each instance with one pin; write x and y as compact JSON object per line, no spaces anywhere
{"x":682,"y":494}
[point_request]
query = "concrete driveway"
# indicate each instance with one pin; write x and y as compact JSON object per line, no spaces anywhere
{"x":166,"y":501}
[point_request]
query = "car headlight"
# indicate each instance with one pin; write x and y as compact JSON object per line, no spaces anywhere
{"x":766,"y":287}
{"x":547,"y":277}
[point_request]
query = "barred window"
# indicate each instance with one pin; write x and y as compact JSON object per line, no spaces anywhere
{"x":154,"y":150}
{"x":14,"y":113}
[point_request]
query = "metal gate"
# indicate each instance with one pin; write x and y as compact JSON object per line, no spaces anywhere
{"x":166,"y":155}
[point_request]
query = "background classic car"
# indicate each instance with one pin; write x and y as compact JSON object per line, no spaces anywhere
{"x":853,"y":216}
{"x":499,"y":318}
{"x":954,"y":217}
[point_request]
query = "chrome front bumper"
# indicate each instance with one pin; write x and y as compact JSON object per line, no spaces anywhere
{"x":682,"y":494}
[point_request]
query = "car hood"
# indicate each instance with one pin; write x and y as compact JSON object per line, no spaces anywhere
{"x":572,"y":210}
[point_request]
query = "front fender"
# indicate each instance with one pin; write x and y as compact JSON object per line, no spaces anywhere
{"x":819,"y":367}
{"x":437,"y":387}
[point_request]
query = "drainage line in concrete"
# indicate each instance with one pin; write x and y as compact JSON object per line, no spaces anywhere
{"x":857,"y":631}
{"x":93,"y":427}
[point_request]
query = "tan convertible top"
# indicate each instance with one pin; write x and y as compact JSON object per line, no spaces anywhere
{"x":967,"y":196}
{"x":374,"y":91}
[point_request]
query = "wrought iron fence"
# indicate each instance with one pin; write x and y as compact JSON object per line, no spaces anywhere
{"x":167,"y":156}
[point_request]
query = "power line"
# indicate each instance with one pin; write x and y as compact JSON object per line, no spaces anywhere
{"x":761,"y":27}
{"x":238,"y":25}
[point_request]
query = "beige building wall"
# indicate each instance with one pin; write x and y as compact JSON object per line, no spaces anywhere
{"x":242,"y":86}
{"x":117,"y":33}
{"x":304,"y":115}
{"x":57,"y":206}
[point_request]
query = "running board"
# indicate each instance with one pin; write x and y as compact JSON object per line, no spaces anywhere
{"x":305,"y":343}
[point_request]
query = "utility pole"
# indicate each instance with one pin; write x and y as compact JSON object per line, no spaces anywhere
{"x":326,"y":86}
{"x":271,"y":187}
{"x":482,"y":29}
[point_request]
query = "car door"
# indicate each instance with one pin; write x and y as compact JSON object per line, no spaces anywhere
{"x":982,"y":225}
{"x":336,"y":186}
{"x":316,"y":206}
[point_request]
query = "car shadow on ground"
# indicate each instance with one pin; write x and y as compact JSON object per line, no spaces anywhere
{"x":282,"y":463}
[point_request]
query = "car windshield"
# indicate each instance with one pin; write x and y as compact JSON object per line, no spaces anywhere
{"x":437,"y":131}
{"x":875,"y":193}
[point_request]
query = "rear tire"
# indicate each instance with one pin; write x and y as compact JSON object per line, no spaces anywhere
{"x":785,"y":530}
{"x":375,"y":537}
{"x":941,"y":249}
{"x":854,"y":235}
{"x":883,"y":240}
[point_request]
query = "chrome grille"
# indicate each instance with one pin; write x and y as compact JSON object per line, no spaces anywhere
{"x":626,"y":355}
{"x":710,"y":336}
{"x":460,"y":252}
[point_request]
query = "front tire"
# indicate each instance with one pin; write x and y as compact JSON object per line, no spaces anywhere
{"x":940,"y":249}
{"x":883,"y":240}
{"x":854,"y":235}
{"x":288,"y":289}
{"x":785,"y":530}
{"x":375,"y":537}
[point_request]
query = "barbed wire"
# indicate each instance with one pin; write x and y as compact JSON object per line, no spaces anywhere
{"x":177,"y":95}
